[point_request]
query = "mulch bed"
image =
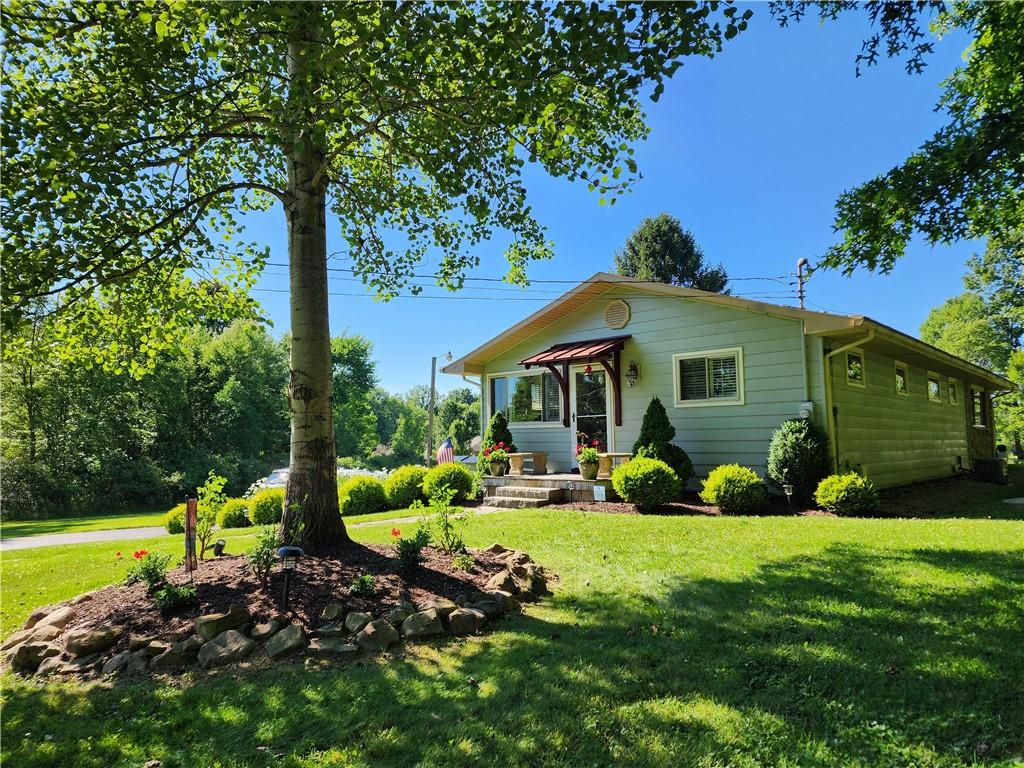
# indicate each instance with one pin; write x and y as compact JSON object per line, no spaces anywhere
{"x":322,"y":577}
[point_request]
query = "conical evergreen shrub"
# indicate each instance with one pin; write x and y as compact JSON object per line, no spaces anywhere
{"x":655,"y":441}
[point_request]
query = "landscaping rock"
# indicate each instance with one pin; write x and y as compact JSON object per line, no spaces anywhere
{"x":116,"y":663}
{"x":33,"y":634}
{"x":30,"y":655}
{"x":289,"y":639}
{"x":377,"y":636}
{"x":504,"y":581}
{"x":156,"y":648}
{"x":422,"y":624}
{"x":333,"y":612}
{"x":332,"y":630}
{"x":38,"y":615}
{"x":517,"y":558}
{"x":461,"y":600}
{"x":490,"y":608}
{"x":55,"y":665}
{"x":356,"y":620}
{"x":399,"y":613}
{"x":138,"y":642}
{"x":265,"y":630}
{"x":466,"y":621}
{"x":59,"y":618}
{"x":506,"y":600}
{"x":138,"y":662}
{"x":226,"y":648}
{"x":214,"y":624}
{"x":533,"y":585}
{"x":178,"y":655}
{"x":82,"y":642}
{"x":331,"y":646}
{"x":496,"y":549}
{"x":442,"y":606}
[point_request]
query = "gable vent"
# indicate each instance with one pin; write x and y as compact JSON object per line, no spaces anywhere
{"x":616,"y":314}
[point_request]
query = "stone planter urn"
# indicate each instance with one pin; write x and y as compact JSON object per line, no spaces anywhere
{"x":498,"y":469}
{"x":588,"y":470}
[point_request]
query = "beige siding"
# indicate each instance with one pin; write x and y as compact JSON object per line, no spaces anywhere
{"x":775,"y":378}
{"x":896,"y":439}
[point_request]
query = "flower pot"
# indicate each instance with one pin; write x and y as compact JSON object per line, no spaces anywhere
{"x":588,"y":470}
{"x":498,"y":468}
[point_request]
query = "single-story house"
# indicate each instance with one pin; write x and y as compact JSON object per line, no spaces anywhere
{"x":729,"y":371}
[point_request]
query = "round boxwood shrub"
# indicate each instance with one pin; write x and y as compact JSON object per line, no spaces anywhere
{"x":405,"y":486}
{"x":266,"y":506}
{"x":174,"y":520}
{"x":362,"y":495}
{"x":234,"y":514}
{"x":735,"y":490}
{"x":646,"y":482}
{"x":455,"y":476}
{"x":848,"y":494}
{"x":798,"y":455}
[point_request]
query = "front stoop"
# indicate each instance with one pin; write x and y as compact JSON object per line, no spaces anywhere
{"x":521,"y":496}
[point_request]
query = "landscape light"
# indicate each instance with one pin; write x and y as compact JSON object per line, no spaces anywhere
{"x":289,"y":559}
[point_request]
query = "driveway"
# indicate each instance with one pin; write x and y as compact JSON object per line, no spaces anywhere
{"x":84,"y":537}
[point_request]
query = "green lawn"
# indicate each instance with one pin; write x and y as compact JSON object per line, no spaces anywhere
{"x":670,"y":641}
{"x":10,"y":529}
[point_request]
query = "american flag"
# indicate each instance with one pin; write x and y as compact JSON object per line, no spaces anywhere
{"x":446,"y":454}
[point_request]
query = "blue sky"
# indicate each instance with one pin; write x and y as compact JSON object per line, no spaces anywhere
{"x":749,"y":150}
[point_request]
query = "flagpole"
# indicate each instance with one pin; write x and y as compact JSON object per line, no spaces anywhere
{"x":430,"y":414}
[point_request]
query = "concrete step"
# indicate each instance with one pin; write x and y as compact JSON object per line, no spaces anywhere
{"x":532,"y":493}
{"x":508,"y":502}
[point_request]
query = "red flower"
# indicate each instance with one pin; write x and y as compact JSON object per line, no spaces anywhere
{"x":487,"y":451}
{"x":595,"y":443}
{"x":117,"y":555}
{"x":501,"y":445}
{"x":138,"y":555}
{"x":395,"y":532}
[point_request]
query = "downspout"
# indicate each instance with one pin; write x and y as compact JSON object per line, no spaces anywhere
{"x":830,"y":408}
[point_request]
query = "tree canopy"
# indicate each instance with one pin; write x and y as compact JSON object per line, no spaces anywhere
{"x":966,"y":180}
{"x":659,"y":249}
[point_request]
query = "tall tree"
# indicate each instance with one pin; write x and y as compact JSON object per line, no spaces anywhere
{"x":137,"y":133}
{"x":661,"y":250}
{"x":965,"y":181}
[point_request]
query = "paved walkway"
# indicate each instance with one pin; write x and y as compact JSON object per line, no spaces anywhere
{"x":119,"y":534}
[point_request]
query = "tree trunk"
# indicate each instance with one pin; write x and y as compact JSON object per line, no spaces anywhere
{"x":312,"y":477}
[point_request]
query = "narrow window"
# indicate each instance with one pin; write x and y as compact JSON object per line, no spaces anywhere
{"x":954,"y":393}
{"x":902,"y":379}
{"x":855,"y":368}
{"x":978,"y":407}
{"x":709,"y":378}
{"x":934,"y":387}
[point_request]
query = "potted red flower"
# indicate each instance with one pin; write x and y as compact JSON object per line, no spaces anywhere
{"x":496,"y":458}
{"x":587,"y":457}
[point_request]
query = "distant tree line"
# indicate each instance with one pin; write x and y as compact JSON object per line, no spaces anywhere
{"x":80,"y":440}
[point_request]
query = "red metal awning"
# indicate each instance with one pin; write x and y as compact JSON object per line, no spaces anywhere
{"x":577,"y":352}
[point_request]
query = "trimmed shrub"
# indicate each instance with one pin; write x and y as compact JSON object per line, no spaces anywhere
{"x":265,"y":506}
{"x":655,"y":441}
{"x":234,"y":514}
{"x":798,"y":455}
{"x":405,"y":486}
{"x":361,"y":495}
{"x":848,"y":494}
{"x":646,"y":482}
{"x":497,"y":432}
{"x":735,"y":490}
{"x":457,"y":477}
{"x":174,"y":519}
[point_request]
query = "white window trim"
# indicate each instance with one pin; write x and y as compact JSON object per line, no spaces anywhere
{"x":740,"y":398}
{"x":955,"y":385}
{"x":906,"y":378}
{"x":928,"y":390}
{"x":862,"y":384}
{"x":524,"y":424}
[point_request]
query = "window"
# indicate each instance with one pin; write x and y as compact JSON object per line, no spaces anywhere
{"x":934,"y":387}
{"x":902,"y":379}
{"x":978,"y":407}
{"x":527,"y":397}
{"x":954,"y":393}
{"x":714,"y":377}
{"x":855,"y":368}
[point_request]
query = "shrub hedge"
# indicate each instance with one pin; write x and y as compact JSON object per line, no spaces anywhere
{"x":646,"y":482}
{"x":405,"y":486}
{"x":847,"y":494}
{"x":266,"y":506}
{"x":798,"y":455}
{"x":234,"y":514}
{"x":735,"y":490}
{"x":362,"y":495}
{"x":174,"y":519}
{"x":457,"y":477}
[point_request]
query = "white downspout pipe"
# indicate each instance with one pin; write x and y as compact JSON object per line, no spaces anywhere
{"x":833,"y":426}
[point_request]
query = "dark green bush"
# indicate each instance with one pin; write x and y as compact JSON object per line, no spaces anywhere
{"x":365,"y":585}
{"x":361,"y":495}
{"x":405,"y":486}
{"x":848,"y":494}
{"x":455,"y":476}
{"x":497,"y":432}
{"x":174,"y":519}
{"x":646,"y":482}
{"x":234,"y":514}
{"x":410,"y":551}
{"x":172,"y":596}
{"x":735,"y":490}
{"x":655,"y":442}
{"x":798,"y":455}
{"x":266,"y":506}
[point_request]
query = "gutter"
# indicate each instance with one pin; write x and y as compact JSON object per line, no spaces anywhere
{"x":830,"y":407}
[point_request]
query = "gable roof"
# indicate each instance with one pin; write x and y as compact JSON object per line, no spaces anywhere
{"x":847,"y":327}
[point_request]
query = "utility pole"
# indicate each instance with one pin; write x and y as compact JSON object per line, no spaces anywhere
{"x":430,"y":413}
{"x":801,"y":278}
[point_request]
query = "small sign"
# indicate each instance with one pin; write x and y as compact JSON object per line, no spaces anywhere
{"x":191,"y":517}
{"x":599,"y":493}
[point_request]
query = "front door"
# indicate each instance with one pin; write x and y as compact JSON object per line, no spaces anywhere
{"x":588,"y":398}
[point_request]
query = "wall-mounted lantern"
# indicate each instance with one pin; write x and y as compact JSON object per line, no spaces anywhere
{"x":632,"y":374}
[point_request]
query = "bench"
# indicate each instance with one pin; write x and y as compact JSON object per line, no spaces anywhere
{"x":538,"y":459}
{"x":606,"y":462}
